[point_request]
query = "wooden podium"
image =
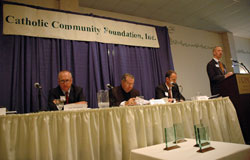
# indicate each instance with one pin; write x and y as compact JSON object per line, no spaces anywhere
{"x":237,"y":87}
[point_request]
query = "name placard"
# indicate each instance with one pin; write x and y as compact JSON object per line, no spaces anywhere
{"x":2,"y":111}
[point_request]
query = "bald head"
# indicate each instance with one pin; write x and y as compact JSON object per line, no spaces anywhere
{"x":65,"y":80}
{"x":217,"y":52}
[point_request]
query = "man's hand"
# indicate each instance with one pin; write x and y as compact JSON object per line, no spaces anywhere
{"x":170,"y":100}
{"x":56,"y":101}
{"x":130,"y":102}
{"x":228,"y":74}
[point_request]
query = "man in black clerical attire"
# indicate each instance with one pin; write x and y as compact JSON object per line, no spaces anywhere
{"x":216,"y":70}
{"x":72,"y":93}
{"x":169,"y":89}
{"x":125,"y":93}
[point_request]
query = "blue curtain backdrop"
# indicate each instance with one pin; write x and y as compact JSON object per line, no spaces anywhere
{"x":26,"y":60}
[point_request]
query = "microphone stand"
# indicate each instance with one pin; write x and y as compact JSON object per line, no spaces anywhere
{"x":39,"y":98}
{"x":245,"y":67}
{"x":241,"y":65}
{"x":39,"y":87}
{"x":111,"y":99}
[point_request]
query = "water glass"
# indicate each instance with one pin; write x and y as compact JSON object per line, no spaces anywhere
{"x":59,"y":104}
{"x":103,"y":98}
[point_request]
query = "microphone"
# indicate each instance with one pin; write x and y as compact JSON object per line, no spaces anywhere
{"x":181,"y":88}
{"x":109,"y":86}
{"x":174,"y":84}
{"x":235,"y":61}
{"x":241,"y":65}
{"x":37,"y":85}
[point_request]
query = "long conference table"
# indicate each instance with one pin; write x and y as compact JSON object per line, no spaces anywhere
{"x":111,"y":133}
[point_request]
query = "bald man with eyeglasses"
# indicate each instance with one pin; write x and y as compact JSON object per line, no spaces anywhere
{"x":72,"y":93}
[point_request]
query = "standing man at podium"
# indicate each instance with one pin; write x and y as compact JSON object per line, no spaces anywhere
{"x":216,"y":70}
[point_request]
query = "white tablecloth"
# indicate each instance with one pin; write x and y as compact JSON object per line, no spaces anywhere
{"x":110,"y":134}
{"x":222,"y":151}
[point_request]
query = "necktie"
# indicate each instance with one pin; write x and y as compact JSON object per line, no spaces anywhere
{"x":169,"y":93}
{"x":67,"y":97}
{"x":222,"y":67}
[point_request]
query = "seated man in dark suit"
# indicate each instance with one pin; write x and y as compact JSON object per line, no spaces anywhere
{"x":170,"y":88}
{"x":72,"y":93}
{"x":125,"y":93}
{"x":216,"y":70}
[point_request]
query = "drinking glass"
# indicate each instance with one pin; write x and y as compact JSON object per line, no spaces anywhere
{"x":59,"y":104}
{"x":103,"y":98}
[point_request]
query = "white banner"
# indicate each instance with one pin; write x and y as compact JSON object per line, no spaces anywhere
{"x":27,"y":21}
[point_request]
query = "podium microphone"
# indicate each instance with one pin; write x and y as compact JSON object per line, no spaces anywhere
{"x":241,"y":64}
{"x":235,"y":61}
{"x":180,"y":86}
{"x":109,"y":86}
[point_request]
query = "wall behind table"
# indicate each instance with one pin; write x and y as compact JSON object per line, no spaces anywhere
{"x":242,"y":46}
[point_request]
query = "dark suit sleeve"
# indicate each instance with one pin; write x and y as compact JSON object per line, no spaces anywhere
{"x":182,"y":97}
{"x":115,"y":103}
{"x":51,"y":97}
{"x":116,"y":96}
{"x":213,"y":76}
{"x":179,"y":96}
{"x":80,"y":95}
{"x":76,"y":94}
{"x":135,"y":93}
{"x":159,"y":93}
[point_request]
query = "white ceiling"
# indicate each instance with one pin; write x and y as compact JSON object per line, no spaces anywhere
{"x":211,"y":15}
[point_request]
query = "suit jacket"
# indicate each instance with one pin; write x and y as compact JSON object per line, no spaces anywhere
{"x":215,"y":75}
{"x":118,"y":95}
{"x":75,"y":95}
{"x":161,"y":89}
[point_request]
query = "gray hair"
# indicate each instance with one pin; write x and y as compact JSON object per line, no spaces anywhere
{"x":124,"y":76}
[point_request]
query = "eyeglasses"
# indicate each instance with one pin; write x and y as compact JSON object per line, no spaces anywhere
{"x":130,"y":84}
{"x":65,"y":81}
